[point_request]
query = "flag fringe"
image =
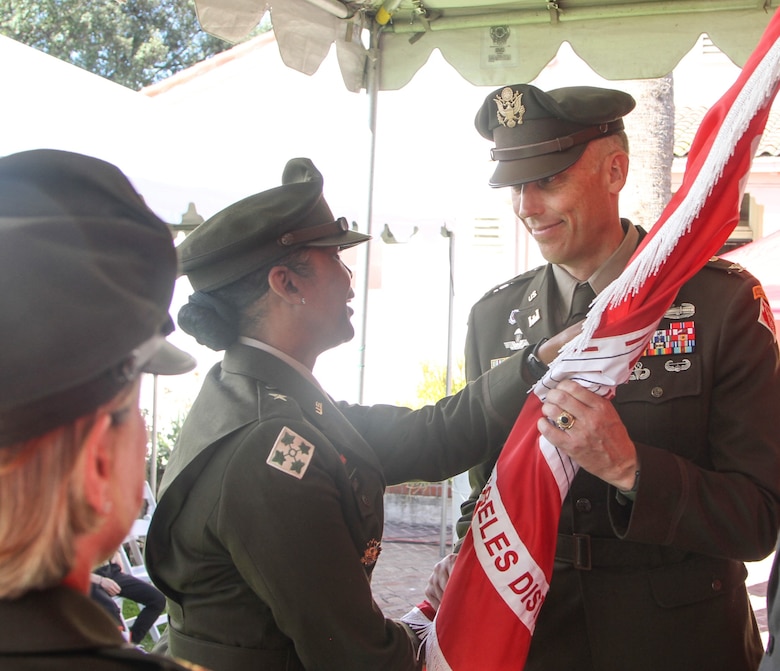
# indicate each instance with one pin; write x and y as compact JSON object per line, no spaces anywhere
{"x":754,"y":95}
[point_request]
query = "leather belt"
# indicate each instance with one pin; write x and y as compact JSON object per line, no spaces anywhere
{"x":576,"y":549}
{"x":230,"y":658}
{"x":586,"y":552}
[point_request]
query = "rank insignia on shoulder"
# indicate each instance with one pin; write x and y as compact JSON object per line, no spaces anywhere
{"x":679,"y":338}
{"x":290,"y":453}
{"x":371,"y":553}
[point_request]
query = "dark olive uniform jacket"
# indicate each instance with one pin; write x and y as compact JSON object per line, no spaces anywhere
{"x":61,"y":629}
{"x":658,"y":584}
{"x":271,"y":513}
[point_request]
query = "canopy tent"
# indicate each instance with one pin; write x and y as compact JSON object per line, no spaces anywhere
{"x":760,"y":258}
{"x":492,"y":42}
{"x":380,"y":45}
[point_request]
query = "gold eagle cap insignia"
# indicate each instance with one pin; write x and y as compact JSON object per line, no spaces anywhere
{"x":509,"y":107}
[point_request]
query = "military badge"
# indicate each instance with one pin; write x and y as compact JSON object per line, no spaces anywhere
{"x":509,"y":107}
{"x":291,"y":454}
{"x":681,"y":311}
{"x":318,"y":407}
{"x":765,"y":315}
{"x":679,"y":338}
{"x":278,"y":397}
{"x":371,"y":553}
{"x":639,"y":372}
{"x":677,"y":366}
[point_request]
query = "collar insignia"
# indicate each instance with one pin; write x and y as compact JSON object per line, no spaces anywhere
{"x":509,"y":107}
{"x":278,"y":397}
{"x":318,"y":407}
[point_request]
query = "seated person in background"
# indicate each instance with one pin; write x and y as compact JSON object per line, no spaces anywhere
{"x":86,"y":277}
{"x":109,"y":580}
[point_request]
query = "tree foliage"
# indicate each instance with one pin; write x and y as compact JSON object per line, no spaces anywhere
{"x":133,"y":43}
{"x":433,"y":384}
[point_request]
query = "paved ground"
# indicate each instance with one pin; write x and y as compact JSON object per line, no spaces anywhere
{"x":409,"y":552}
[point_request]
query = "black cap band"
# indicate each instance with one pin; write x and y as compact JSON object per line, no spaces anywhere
{"x":302,"y":235}
{"x":558,"y":144}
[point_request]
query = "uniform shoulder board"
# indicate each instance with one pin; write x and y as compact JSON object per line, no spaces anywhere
{"x":719,"y":263}
{"x":523,"y":276}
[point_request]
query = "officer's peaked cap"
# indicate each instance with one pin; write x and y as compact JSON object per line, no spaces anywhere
{"x":86,"y":277}
{"x":541,"y":133}
{"x":263,"y":228}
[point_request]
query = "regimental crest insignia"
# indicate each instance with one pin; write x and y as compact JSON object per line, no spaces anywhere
{"x":371,"y":553}
{"x":509,"y":107}
{"x":765,"y":315}
{"x":291,"y":454}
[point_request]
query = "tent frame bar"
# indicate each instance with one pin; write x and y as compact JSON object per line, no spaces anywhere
{"x":563,"y":15}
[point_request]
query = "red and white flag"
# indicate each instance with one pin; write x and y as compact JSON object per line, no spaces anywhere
{"x":500,"y":580}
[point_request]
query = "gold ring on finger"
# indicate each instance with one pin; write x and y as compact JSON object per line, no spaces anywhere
{"x":565,"y":421}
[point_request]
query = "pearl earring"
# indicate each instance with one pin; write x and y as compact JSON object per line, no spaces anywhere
{"x":303,"y":301}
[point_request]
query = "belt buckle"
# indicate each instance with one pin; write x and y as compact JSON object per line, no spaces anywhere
{"x":582,"y":556}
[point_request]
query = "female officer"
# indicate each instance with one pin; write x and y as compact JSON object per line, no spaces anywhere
{"x":86,"y":277}
{"x":270,"y":521}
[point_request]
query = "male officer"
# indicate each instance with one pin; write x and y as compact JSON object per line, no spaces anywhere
{"x":680,"y":477}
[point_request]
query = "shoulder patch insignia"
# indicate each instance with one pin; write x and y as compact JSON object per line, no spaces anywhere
{"x":290,"y":453}
{"x":765,"y":315}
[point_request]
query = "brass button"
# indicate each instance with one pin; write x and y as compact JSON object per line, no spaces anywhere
{"x":583,"y":505}
{"x":656,"y":392}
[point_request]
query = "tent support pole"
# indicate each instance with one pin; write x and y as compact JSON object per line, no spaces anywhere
{"x":372,"y":91}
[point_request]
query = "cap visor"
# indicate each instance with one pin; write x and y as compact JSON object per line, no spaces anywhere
{"x":522,"y":171}
{"x":169,"y":360}
{"x":343,"y":240}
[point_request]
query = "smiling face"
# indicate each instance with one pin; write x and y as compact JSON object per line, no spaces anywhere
{"x":573,"y":215}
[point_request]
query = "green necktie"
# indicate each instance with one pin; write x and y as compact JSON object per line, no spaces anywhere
{"x":583,"y":295}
